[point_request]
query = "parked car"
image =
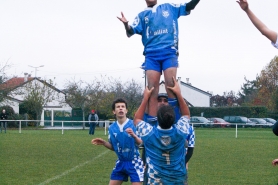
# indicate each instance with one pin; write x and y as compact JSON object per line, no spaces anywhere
{"x":270,"y":120}
{"x":219,"y":122}
{"x":262,"y":122}
{"x":244,"y":121}
{"x":198,"y":121}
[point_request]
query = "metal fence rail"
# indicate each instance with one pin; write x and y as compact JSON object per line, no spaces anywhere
{"x":66,"y":125}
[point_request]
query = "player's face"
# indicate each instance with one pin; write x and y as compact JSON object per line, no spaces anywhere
{"x":151,"y":2}
{"x":162,"y":101}
{"x":120,"y":110}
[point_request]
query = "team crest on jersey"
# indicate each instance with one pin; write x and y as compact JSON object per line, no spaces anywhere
{"x":146,"y":20}
{"x":165,"y":14}
{"x":166,"y":140}
{"x":136,"y":21}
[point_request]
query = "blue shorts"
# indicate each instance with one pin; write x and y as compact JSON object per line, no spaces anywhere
{"x":160,"y":62}
{"x":124,"y":169}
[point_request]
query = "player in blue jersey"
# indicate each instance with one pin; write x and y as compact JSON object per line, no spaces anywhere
{"x":162,"y":99}
{"x":158,"y":26}
{"x":164,"y":144}
{"x":123,"y":140}
{"x":270,"y":34}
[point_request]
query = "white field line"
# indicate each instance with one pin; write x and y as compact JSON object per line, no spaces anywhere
{"x":72,"y":169}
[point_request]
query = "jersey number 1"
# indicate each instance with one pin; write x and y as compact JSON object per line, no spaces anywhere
{"x":167,"y":155}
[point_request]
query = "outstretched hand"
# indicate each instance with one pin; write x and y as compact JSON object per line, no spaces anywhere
{"x":176,"y":88}
{"x":243,"y":4}
{"x":98,"y":141}
{"x":275,"y":162}
{"x":123,"y":19}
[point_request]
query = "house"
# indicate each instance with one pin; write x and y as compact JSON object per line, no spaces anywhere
{"x":15,"y":90}
{"x":195,"y":97}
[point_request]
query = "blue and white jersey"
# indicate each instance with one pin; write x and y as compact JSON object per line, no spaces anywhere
{"x":158,"y":26}
{"x":123,"y":144}
{"x":165,"y":150}
{"x":191,"y":137}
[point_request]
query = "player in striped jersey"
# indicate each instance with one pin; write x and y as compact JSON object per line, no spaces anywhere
{"x":164,"y":144}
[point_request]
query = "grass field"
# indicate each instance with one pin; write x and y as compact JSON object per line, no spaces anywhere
{"x":47,"y":157}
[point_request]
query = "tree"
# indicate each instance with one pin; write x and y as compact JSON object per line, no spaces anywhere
{"x":131,"y":91}
{"x":268,"y":85}
{"x":37,"y":93}
{"x":3,"y":77}
{"x":100,"y":94}
{"x":78,"y":96}
{"x":227,"y":99}
{"x":248,"y":92}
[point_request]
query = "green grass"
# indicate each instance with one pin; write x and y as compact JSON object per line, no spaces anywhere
{"x":48,"y":157}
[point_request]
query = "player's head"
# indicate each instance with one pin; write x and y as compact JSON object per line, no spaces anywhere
{"x":92,"y":111}
{"x":275,"y":128}
{"x":162,"y":99}
{"x":119,"y":107}
{"x":165,"y":116}
{"x":151,"y":2}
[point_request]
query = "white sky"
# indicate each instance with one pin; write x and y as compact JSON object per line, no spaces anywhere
{"x":83,"y":39}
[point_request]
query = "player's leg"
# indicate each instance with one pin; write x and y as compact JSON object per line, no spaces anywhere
{"x":169,"y":73}
{"x":94,"y":127}
{"x":5,"y":127}
{"x":136,"y":183}
{"x":153,"y":70}
{"x":91,"y":127}
{"x":115,"y":182}
{"x":135,"y":170}
{"x":1,"y":126}
{"x":153,"y":78}
{"x":118,"y":175}
{"x":169,"y":67}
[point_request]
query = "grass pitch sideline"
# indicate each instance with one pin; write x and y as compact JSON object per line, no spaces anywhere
{"x":48,"y":157}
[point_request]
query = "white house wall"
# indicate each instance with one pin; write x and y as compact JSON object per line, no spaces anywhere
{"x":57,"y":104}
{"x":13,"y":104}
{"x":193,"y":95}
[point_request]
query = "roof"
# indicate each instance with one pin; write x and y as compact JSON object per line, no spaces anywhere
{"x":16,"y":82}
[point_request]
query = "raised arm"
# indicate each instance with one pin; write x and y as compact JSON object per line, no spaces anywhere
{"x":136,"y":138}
{"x":270,"y":34}
{"x":191,"y":5}
{"x":129,"y":30}
{"x":140,"y":112}
{"x":183,"y":106}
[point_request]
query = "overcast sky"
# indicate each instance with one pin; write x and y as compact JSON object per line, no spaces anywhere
{"x":83,"y":39}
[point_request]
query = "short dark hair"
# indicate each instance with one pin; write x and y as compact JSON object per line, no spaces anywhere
{"x":166,"y":116}
{"x":118,"y":100}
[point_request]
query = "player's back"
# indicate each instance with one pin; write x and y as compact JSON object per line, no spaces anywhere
{"x":165,"y":153}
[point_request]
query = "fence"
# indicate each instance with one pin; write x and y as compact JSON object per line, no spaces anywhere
{"x":65,"y":125}
{"x":60,"y":125}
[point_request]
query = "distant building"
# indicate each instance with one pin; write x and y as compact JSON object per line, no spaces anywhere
{"x":14,"y":90}
{"x":195,"y":97}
